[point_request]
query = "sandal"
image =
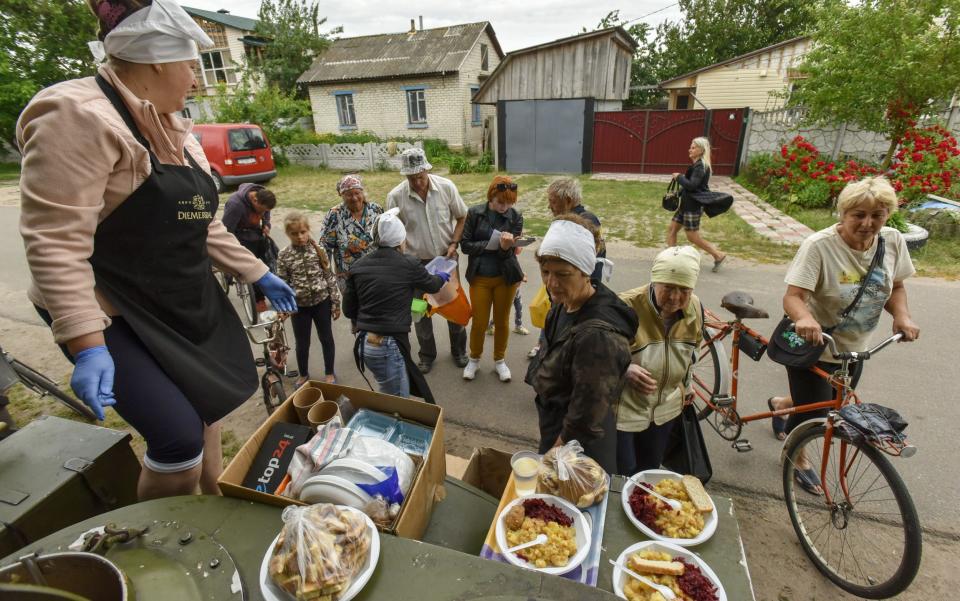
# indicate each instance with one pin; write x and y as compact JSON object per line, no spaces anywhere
{"x":779,"y":423}
{"x":717,"y":263}
{"x":808,"y":481}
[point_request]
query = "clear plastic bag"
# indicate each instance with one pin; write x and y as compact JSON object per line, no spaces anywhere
{"x":568,"y":473}
{"x":319,"y":551}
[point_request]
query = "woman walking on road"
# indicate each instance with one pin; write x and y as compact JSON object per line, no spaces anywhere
{"x":690,"y":212}
{"x":121,"y":242}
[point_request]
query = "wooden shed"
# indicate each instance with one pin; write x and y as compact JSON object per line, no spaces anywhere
{"x":591,"y":65}
{"x":546,"y":96}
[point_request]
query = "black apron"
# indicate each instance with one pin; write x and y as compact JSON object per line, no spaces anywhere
{"x":150,"y":261}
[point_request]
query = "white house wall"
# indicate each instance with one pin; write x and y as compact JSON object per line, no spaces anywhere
{"x":381,"y":106}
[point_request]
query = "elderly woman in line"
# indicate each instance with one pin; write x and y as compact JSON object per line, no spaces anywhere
{"x":823,"y":280}
{"x":664,"y":351}
{"x":348,"y":227}
{"x":578,"y":373}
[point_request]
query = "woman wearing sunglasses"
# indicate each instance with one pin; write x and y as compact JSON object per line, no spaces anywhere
{"x":493,"y":270}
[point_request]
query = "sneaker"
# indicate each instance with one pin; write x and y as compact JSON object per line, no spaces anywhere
{"x":533,"y":352}
{"x":490,"y":330}
{"x":425,"y":367}
{"x":461,"y":361}
{"x":519,"y":329}
{"x":502,"y":370}
{"x":470,"y":371}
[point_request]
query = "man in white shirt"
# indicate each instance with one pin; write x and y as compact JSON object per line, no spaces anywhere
{"x":433,"y":213}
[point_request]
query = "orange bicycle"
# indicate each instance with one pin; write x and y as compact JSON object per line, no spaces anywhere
{"x":863,"y":533}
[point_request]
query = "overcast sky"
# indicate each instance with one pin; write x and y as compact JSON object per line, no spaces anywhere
{"x":518,"y":23}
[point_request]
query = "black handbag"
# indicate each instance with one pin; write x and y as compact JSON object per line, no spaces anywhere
{"x":790,"y":349}
{"x":687,"y":451}
{"x":671,"y":200}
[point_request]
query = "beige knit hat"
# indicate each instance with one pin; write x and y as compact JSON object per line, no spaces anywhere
{"x":678,"y":265}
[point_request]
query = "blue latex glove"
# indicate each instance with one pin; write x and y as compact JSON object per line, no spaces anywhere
{"x":443,"y":275}
{"x":281,"y":296}
{"x":92,"y":379}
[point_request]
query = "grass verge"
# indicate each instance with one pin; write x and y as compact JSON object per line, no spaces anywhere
{"x":939,"y":257}
{"x":9,"y":171}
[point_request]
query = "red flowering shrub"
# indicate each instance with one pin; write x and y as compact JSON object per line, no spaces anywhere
{"x":927,"y":162}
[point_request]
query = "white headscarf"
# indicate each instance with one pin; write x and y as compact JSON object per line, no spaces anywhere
{"x":390,"y":230}
{"x":571,"y":242}
{"x":159,"y":33}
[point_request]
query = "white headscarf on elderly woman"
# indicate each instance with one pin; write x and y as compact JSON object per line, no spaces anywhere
{"x":161,"y":32}
{"x":571,"y":242}
{"x":388,"y":230}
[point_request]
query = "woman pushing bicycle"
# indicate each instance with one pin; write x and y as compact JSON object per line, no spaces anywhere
{"x":118,"y":223}
{"x":823,"y":283}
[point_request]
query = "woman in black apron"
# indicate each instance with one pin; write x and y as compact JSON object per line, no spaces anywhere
{"x":174,"y":359}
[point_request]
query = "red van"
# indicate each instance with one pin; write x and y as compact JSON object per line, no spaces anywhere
{"x":237,"y":153}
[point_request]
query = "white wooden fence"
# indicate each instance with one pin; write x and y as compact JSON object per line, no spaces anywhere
{"x":357,"y":157}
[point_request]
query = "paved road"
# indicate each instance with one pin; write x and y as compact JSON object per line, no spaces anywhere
{"x":913,"y":378}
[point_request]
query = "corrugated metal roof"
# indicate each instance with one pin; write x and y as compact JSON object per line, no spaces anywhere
{"x":428,"y":51}
{"x":223,"y":18}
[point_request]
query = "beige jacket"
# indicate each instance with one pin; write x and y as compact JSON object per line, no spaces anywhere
{"x":80,"y":162}
{"x":669,"y":359}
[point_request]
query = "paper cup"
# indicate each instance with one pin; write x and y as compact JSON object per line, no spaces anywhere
{"x":322,"y":413}
{"x":304,"y":399}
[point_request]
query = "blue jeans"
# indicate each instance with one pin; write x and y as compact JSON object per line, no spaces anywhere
{"x":386,"y":363}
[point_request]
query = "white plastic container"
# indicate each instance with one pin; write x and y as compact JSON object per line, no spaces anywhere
{"x":448,"y":293}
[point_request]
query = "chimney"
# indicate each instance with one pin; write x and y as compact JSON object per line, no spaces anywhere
{"x":421,"y":22}
{"x":413,"y":26}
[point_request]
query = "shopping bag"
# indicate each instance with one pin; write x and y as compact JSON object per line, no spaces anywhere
{"x":539,"y":307}
{"x":687,"y":451}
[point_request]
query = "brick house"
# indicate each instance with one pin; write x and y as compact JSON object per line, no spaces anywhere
{"x":234,"y":41}
{"x":415,"y":84}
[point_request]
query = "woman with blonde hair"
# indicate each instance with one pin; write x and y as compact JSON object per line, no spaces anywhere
{"x":823,"y":281}
{"x":688,"y":215}
{"x":120,"y":245}
{"x":493,"y":271}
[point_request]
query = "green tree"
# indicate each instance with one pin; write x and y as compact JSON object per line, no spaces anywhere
{"x":293,"y":29}
{"x":881,"y":64}
{"x":273,"y":109}
{"x":41,"y":42}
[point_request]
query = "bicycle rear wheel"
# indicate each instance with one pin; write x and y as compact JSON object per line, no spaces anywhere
{"x":867,"y":541}
{"x":706,"y":377}
{"x":44,"y":386}
{"x":248,"y":303}
{"x":273,"y":392}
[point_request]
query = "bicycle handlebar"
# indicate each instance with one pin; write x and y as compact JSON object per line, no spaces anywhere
{"x":268,"y":319}
{"x":858,"y":355}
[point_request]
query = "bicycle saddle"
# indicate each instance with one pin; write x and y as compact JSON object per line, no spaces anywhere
{"x":741,"y":305}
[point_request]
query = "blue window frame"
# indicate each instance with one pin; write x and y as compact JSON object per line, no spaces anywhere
{"x":474,"y":108}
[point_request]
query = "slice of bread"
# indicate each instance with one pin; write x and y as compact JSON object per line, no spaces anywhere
{"x":649,"y":566}
{"x":698,"y":496}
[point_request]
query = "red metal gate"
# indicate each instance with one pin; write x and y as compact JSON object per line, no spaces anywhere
{"x":657,"y":141}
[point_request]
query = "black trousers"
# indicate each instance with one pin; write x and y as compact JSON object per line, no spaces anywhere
{"x":256,"y":247}
{"x":320,"y":316}
{"x":639,"y":451}
{"x":806,"y":388}
{"x":602,"y":450}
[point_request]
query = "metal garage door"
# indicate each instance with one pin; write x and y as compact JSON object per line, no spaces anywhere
{"x":545,"y":136}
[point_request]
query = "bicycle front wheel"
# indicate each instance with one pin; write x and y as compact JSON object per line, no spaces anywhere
{"x":248,"y":303}
{"x":706,"y":378}
{"x":273,"y":393}
{"x":867,"y":540}
{"x":43,"y":385}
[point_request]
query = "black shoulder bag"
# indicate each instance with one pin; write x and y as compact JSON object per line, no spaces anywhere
{"x":790,"y":349}
{"x":671,"y":200}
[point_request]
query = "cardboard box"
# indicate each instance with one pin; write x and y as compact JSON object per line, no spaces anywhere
{"x":488,"y":469}
{"x":427,"y":487}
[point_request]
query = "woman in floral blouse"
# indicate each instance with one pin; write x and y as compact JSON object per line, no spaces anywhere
{"x":305,"y":266}
{"x":348,"y":228}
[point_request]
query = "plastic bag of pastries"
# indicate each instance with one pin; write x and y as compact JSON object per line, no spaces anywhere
{"x":566,"y":472}
{"x":319,"y":551}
